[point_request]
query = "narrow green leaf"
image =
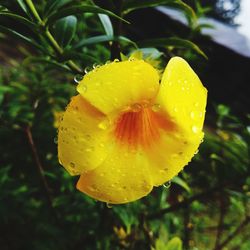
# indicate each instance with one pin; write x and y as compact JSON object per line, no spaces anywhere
{"x":172,"y":41}
{"x":71,"y":55}
{"x":21,"y":37}
{"x":101,"y":39}
{"x":177,"y":180}
{"x":64,"y":30}
{"x":20,"y":19}
{"x":48,"y":61}
{"x":132,"y":5}
{"x":107,"y":25}
{"x":79,"y":9}
{"x":23,"y":7}
{"x":53,"y":5}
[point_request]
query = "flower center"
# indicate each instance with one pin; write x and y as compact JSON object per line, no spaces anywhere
{"x":141,"y":125}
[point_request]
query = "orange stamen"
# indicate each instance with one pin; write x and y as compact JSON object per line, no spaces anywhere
{"x":141,"y":127}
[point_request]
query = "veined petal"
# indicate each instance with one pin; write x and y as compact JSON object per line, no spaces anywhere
{"x":81,"y":143}
{"x":117,"y":85}
{"x":183,"y":97}
{"x":121,"y":178}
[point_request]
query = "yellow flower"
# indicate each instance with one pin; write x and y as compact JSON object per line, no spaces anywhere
{"x":126,"y":133}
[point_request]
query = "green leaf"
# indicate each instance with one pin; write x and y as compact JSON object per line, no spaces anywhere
{"x":174,"y":244}
{"x":53,"y":5}
{"x":177,"y":180}
{"x":45,"y":60}
{"x":71,"y":55}
{"x":80,"y":9}
{"x":65,"y":30}
{"x":103,"y":38}
{"x":107,"y":25}
{"x":174,"y":42}
{"x":20,"y":19}
{"x":21,"y":37}
{"x":23,"y":7}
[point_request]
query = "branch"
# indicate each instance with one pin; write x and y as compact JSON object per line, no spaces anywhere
{"x":40,"y":168}
{"x":182,"y":204}
{"x":54,"y":44}
{"x":234,"y":234}
{"x":221,"y":220}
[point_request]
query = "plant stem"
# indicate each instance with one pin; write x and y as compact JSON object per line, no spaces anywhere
{"x":40,"y":168}
{"x":182,"y":204}
{"x":54,"y":44}
{"x":234,"y":233}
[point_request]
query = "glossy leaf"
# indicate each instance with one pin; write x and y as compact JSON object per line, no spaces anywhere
{"x":107,"y":25}
{"x":80,"y":9}
{"x":53,"y":5}
{"x":65,"y":30}
{"x":172,"y":41}
{"x":103,"y":38}
{"x":19,"y":18}
{"x":21,"y":37}
{"x":134,"y":5}
{"x":23,"y":7}
{"x":177,"y":180}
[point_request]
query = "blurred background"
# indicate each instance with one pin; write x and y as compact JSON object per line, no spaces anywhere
{"x":45,"y":49}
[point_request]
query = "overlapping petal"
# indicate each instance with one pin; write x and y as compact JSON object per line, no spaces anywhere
{"x":126,"y":133}
{"x":115,"y":86}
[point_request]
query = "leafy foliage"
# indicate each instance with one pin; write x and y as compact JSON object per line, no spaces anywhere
{"x":40,"y":208}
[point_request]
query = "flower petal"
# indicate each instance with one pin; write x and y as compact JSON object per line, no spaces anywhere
{"x":116,"y":85}
{"x":183,"y":98}
{"x":81,"y":143}
{"x":121,"y":178}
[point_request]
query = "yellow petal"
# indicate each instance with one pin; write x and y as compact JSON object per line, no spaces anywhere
{"x":183,"y":98}
{"x":117,"y":85}
{"x":121,"y":178}
{"x":81,"y":141}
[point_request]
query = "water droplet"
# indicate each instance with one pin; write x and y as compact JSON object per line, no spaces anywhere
{"x":170,"y":83}
{"x":88,"y":137}
{"x":87,"y":70}
{"x":78,"y":78}
{"x":156,"y":107}
{"x":183,"y":88}
{"x":104,"y":124}
{"x":192,"y":115}
{"x":196,"y":104}
{"x":136,"y":107}
{"x":167,"y":184}
{"x":101,"y":145}
{"x":83,"y":88}
{"x":175,"y":109}
{"x":95,"y":65}
{"x":116,"y":60}
{"x":55,"y":140}
{"x":109,"y":205}
{"x":195,"y":129}
{"x":72,"y":164}
{"x":196,"y":152}
{"x":185,"y":81}
{"x":108,"y":62}
{"x":89,"y":149}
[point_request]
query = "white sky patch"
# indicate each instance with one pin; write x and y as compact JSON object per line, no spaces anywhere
{"x":243,"y":18}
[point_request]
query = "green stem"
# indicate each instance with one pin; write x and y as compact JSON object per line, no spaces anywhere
{"x":54,"y":44}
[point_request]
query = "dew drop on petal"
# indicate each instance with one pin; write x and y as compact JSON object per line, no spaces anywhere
{"x":104,"y":124}
{"x":116,"y":60}
{"x":136,"y":107}
{"x":167,"y":184}
{"x":195,"y":129}
{"x":156,"y":107}
{"x":109,"y":205}
{"x":72,"y":164}
{"x":84,"y":88}
{"x":192,"y":115}
{"x":78,"y":78}
{"x":87,"y":70}
{"x":55,"y":140}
